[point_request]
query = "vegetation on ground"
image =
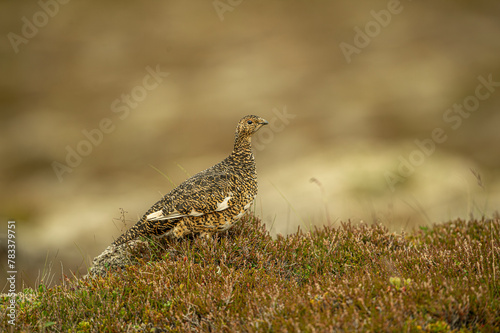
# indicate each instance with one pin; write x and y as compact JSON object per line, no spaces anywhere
{"x":335,"y":278}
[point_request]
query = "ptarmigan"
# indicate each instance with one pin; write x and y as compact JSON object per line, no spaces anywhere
{"x":210,"y":201}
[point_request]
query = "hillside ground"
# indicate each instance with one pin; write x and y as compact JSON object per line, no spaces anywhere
{"x":347,"y":277}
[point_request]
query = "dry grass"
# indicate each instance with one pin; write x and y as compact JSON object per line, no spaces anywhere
{"x":347,"y":278}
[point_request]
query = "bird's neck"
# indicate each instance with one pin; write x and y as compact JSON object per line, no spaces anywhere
{"x":242,"y":149}
{"x":243,"y":142}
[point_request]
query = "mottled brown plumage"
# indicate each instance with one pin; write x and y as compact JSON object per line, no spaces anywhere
{"x":210,"y":201}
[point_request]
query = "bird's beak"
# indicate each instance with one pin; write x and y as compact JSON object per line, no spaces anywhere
{"x":263,"y":121}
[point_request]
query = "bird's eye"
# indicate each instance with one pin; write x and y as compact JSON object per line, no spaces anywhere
{"x":249,"y":122}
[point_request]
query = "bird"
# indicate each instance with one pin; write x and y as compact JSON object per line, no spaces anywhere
{"x":212,"y":200}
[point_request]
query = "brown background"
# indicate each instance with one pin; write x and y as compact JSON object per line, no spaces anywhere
{"x":352,"y":122}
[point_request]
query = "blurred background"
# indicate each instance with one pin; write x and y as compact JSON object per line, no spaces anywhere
{"x":380,"y":111}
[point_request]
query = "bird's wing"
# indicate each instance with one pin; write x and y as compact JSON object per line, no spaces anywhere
{"x":197,"y":196}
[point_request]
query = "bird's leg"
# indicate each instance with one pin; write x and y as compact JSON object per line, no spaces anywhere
{"x":207,"y":238}
{"x":180,"y":230}
{"x":205,"y":235}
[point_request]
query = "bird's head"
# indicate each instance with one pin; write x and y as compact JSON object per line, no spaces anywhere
{"x":248,"y":125}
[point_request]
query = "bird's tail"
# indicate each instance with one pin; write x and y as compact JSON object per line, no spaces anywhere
{"x":146,"y":228}
{"x":130,"y":234}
